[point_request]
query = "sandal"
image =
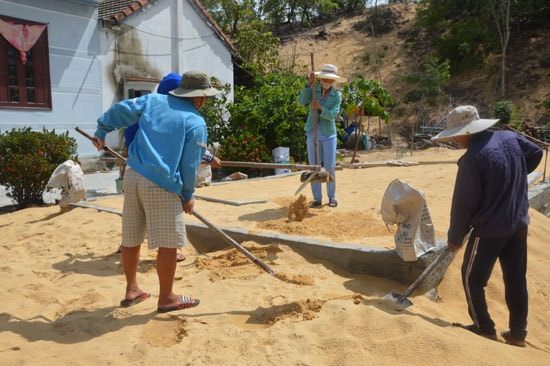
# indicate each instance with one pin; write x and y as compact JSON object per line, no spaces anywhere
{"x":333,"y":203}
{"x":315,"y":204}
{"x":186,"y":302}
{"x":510,"y":340}
{"x":126,"y":303}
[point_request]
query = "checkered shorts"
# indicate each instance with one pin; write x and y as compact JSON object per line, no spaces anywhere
{"x":153,"y":211}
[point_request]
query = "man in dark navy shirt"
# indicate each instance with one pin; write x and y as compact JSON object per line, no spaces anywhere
{"x":490,"y":201}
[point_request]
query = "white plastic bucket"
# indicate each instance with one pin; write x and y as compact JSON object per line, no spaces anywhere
{"x":281,"y":155}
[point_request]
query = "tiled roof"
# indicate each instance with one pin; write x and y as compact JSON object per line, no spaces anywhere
{"x":119,"y":9}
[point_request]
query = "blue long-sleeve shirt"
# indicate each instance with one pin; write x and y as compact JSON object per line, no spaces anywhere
{"x":490,"y":193}
{"x":169,"y":143}
{"x":331,"y":108}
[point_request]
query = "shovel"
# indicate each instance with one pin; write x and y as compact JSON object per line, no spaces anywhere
{"x":231,"y":241}
{"x":400,"y":302}
{"x":226,"y":237}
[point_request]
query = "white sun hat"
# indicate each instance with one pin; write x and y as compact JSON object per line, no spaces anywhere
{"x":330,"y":72}
{"x":463,"y":120}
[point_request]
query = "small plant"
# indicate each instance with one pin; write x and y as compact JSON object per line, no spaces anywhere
{"x":365,"y":58}
{"x":503,"y":110}
{"x":27,"y":160}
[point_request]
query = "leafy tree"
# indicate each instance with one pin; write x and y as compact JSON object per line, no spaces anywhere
{"x":501,"y":13}
{"x":465,"y":32}
{"x":430,"y":82}
{"x":231,"y":14}
{"x":363,"y":97}
{"x":258,"y":48}
{"x":215,"y":113}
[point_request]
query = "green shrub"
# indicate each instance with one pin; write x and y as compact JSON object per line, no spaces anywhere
{"x":245,"y":147}
{"x":503,"y":111}
{"x":27,"y":160}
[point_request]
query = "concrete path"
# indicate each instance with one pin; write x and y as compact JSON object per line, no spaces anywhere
{"x":97,"y":184}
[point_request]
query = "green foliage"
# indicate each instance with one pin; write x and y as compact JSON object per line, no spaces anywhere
{"x":507,"y":113}
{"x":245,"y":146}
{"x":230,"y":14}
{"x":259,"y":49}
{"x":465,"y":32}
{"x":270,"y":109}
{"x":430,"y":82}
{"x":28,"y":159}
{"x":215,"y":113}
{"x":363,"y":97}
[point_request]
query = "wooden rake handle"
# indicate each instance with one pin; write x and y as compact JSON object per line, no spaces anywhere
{"x":106,"y":148}
{"x":231,"y":241}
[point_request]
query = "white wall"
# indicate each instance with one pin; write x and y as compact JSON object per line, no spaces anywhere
{"x":74,"y":66}
{"x":168,"y":36}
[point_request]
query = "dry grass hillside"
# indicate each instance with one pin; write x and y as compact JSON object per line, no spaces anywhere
{"x":347,"y":43}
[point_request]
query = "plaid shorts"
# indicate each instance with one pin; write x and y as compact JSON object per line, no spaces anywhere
{"x":153,"y":211}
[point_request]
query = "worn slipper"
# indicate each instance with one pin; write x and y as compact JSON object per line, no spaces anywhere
{"x":186,"y":302}
{"x":510,"y":340}
{"x":181,"y":257}
{"x":333,"y":203}
{"x":136,"y":300}
{"x":474,"y":329}
{"x":315,"y":204}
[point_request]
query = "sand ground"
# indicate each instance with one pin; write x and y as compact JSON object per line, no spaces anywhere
{"x":61,"y":284}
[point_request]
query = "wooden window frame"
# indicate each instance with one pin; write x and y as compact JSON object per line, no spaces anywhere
{"x":39,"y":54}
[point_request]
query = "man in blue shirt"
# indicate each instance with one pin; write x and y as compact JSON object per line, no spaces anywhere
{"x":490,"y":201}
{"x":159,"y":181}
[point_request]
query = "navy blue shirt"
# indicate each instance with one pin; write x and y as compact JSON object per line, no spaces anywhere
{"x":490,"y":192}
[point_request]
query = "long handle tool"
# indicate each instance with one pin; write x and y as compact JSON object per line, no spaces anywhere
{"x":106,"y":148}
{"x":400,"y":302}
{"x":223,"y":235}
{"x":231,"y":241}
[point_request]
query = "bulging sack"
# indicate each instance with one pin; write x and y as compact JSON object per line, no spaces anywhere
{"x":70,"y":178}
{"x":406,"y":207}
{"x":204,"y":176}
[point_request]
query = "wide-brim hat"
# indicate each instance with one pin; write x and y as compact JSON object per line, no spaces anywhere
{"x":195,"y":84}
{"x":462,"y":121}
{"x":330,"y":72}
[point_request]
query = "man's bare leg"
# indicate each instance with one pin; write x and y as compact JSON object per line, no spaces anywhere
{"x":166,"y":270}
{"x":130,"y":262}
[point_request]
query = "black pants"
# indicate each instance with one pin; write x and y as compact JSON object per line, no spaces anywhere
{"x":479,"y":259}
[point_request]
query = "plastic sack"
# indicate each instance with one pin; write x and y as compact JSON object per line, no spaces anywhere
{"x":70,"y":178}
{"x":406,"y":207}
{"x":204,"y":176}
{"x":281,"y":155}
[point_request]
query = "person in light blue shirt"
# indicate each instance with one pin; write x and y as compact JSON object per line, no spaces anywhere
{"x":159,"y":181}
{"x":324,"y":105}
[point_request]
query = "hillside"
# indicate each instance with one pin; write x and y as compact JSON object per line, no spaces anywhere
{"x":347,"y":43}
